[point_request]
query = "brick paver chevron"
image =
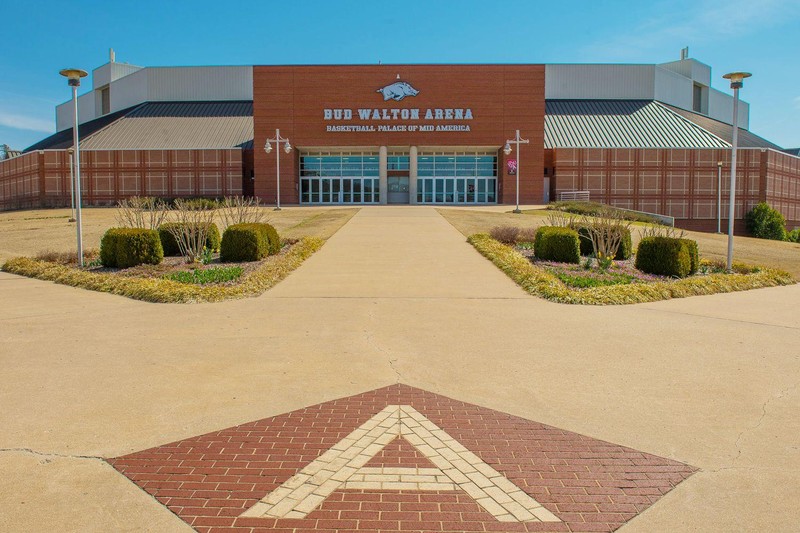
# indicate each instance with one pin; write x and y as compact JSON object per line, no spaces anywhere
{"x":211,"y":481}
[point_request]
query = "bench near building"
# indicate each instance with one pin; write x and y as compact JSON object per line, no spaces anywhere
{"x":644,"y":137}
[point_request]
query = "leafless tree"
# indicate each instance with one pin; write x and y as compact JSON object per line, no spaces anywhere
{"x":658,"y":230}
{"x":141,"y":212}
{"x":240,"y":210}
{"x":190,"y":229}
{"x":606,"y":231}
{"x":561,"y":220}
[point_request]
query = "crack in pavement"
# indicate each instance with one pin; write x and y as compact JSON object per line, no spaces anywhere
{"x":47,"y":455}
{"x":683,"y":313}
{"x":758,"y":423}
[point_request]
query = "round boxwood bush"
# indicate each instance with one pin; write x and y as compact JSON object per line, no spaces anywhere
{"x":128,"y":247}
{"x":170,"y":244}
{"x":694,"y":255}
{"x":765,"y":222}
{"x":624,"y":251}
{"x":794,"y":235}
{"x":249,"y":242}
{"x":557,"y":244}
{"x":666,"y":256}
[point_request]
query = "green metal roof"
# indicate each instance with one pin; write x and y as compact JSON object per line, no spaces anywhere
{"x":622,"y":124}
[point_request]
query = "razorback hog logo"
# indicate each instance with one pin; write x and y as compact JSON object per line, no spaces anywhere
{"x":397,"y":91}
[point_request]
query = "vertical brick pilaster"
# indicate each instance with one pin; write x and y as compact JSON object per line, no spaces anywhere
{"x":42,"y":181}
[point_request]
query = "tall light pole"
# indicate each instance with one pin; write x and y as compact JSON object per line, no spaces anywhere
{"x":719,"y":196}
{"x":74,"y":76}
{"x":507,"y":150}
{"x":71,"y":153}
{"x":286,"y":148}
{"x":737,"y":81}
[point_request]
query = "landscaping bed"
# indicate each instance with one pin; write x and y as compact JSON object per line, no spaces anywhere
{"x":621,"y":284}
{"x":157,"y":283}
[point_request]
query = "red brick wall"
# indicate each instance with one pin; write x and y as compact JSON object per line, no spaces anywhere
{"x":20,"y":182}
{"x":502,"y":98}
{"x":681,"y":183}
{"x":783,"y":186}
{"x":42,"y":179}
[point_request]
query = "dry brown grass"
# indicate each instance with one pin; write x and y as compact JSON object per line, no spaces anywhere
{"x":29,"y":232}
{"x":773,"y":254}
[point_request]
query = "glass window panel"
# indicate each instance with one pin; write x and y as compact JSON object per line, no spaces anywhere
{"x":357,"y":191}
{"x":326,"y":191}
{"x":439,"y":193}
{"x":304,"y":191}
{"x":460,"y":189}
{"x":367,"y":191}
{"x":448,"y":187}
{"x":471,"y":191}
{"x":376,"y":194}
{"x":314,"y":198}
{"x":347,"y":197}
{"x":490,"y":185}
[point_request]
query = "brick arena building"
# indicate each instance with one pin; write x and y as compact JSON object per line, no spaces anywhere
{"x":644,"y":137}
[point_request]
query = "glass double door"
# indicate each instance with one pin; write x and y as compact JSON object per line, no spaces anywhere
{"x":339,"y":190}
{"x":397,"y":188}
{"x":455,"y":190}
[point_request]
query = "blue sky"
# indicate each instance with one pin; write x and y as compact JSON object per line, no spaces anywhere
{"x":762,"y":37}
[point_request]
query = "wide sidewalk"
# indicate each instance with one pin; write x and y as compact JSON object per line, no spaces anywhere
{"x":396,"y":296}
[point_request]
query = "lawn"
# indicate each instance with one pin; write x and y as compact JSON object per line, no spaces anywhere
{"x":30,"y":232}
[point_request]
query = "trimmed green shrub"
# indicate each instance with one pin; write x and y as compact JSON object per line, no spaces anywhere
{"x":200,"y":203}
{"x":170,"y":245}
{"x":557,"y":244}
{"x":793,"y":236}
{"x":108,"y":247}
{"x":694,"y":255}
{"x":765,"y":222}
{"x":624,"y":251}
{"x":664,"y":256}
{"x":249,"y":242}
{"x":128,"y":247}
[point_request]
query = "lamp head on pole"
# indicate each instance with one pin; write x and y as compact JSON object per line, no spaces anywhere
{"x":287,"y":147}
{"x":507,"y":149}
{"x":73,"y":76}
{"x":268,"y":147}
{"x":737,"y":78}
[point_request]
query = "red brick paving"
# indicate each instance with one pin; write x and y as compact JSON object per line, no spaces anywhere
{"x":591,"y":485}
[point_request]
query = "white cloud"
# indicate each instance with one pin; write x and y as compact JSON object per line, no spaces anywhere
{"x":692,"y":23}
{"x":23,"y":122}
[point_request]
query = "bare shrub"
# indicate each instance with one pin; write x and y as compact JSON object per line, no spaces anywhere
{"x":241,"y":210}
{"x":192,"y":224}
{"x":561,"y":220}
{"x":141,"y":212}
{"x":526,"y":235}
{"x":606,"y":231}
{"x":659,"y":230}
{"x":505,"y":234}
{"x":67,"y":258}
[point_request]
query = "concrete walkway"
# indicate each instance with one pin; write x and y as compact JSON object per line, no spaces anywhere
{"x":396,"y":296}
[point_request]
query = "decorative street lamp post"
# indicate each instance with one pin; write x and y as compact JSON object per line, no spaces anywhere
{"x":286,"y":148}
{"x":737,"y":81}
{"x":71,"y":152}
{"x":719,"y":197}
{"x":507,"y":150}
{"x":74,"y":76}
